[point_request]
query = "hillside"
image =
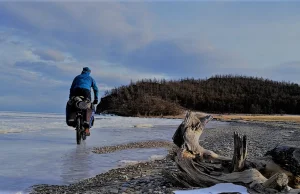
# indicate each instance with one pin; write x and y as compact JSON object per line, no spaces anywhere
{"x":218,"y":94}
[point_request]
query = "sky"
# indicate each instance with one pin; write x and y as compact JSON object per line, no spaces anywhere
{"x":44,"y":45}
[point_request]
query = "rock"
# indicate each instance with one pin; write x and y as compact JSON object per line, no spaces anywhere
{"x":114,"y":191}
{"x":157,"y":157}
{"x":125,"y":177}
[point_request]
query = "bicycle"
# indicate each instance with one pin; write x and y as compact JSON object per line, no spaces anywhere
{"x":80,"y":131}
{"x":75,"y":116}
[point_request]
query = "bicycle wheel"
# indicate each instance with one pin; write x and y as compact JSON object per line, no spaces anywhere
{"x":78,"y":130}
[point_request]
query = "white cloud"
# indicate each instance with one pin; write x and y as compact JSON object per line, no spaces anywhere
{"x":128,"y":24}
{"x":109,"y":73}
{"x":12,"y":52}
{"x":50,"y":55}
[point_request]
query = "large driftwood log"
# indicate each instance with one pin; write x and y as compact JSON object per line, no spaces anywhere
{"x":188,"y":134}
{"x":200,"y":167}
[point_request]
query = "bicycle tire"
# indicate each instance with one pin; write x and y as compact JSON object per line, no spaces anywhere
{"x":78,"y":130}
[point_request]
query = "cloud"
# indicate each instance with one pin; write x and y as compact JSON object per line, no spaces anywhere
{"x":119,"y":33}
{"x":49,"y":55}
{"x":44,"y":45}
{"x":179,"y":58}
{"x":43,"y":69}
{"x":110,"y":74}
{"x":288,"y":71}
{"x":24,"y":90}
{"x":92,"y":29}
{"x":13,"y":50}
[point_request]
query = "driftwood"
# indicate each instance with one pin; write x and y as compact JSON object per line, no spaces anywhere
{"x":240,"y":152}
{"x":278,"y":181}
{"x":187,"y":136}
{"x":278,"y":171}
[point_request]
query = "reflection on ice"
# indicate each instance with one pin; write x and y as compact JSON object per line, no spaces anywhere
{"x":76,"y":164}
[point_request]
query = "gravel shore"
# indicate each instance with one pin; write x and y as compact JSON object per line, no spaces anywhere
{"x":133,"y":145}
{"x":148,"y":177}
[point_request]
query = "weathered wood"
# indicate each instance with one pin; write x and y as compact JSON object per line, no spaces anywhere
{"x":204,"y":174}
{"x":293,"y":191}
{"x":195,"y":174}
{"x":277,"y":171}
{"x":190,"y":130}
{"x":240,"y":152}
{"x":176,"y":179}
{"x":279,"y":181}
{"x":246,"y":176}
{"x":188,"y":134}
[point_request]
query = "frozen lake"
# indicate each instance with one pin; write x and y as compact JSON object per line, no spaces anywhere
{"x":41,"y":149}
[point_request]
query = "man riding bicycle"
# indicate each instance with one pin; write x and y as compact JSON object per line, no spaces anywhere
{"x":81,"y":86}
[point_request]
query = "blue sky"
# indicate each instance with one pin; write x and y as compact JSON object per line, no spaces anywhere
{"x":44,"y":45}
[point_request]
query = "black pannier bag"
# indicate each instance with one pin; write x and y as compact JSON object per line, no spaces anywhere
{"x":71,"y":112}
{"x":74,"y":104}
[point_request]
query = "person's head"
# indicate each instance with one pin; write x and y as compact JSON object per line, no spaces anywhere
{"x":86,"y":70}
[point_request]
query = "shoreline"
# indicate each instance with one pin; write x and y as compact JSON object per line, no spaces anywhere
{"x":133,"y":145}
{"x":139,"y":177}
{"x":143,"y":177}
{"x":148,"y":177}
{"x":237,"y":117}
{"x":234,"y":117}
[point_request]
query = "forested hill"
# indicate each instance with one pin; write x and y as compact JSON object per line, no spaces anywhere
{"x":218,"y":94}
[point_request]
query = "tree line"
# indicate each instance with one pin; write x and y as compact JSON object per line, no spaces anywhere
{"x":217,"y":94}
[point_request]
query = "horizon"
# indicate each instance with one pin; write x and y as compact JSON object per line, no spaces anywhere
{"x":45,"y":45}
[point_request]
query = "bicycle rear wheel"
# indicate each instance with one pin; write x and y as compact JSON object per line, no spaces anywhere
{"x":78,"y":130}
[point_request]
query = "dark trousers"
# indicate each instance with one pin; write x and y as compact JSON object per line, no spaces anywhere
{"x":81,"y":92}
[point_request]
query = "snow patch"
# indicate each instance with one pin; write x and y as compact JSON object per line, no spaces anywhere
{"x":216,"y":189}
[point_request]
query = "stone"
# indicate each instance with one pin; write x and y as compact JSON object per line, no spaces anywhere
{"x":114,"y":191}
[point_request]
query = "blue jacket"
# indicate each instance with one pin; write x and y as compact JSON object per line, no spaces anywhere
{"x":84,"y":80}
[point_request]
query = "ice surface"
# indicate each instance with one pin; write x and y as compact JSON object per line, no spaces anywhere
{"x":39,"y":148}
{"x":216,"y":189}
{"x":12,"y":122}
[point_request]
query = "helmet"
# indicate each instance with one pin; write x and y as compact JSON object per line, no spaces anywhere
{"x":86,"y":69}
